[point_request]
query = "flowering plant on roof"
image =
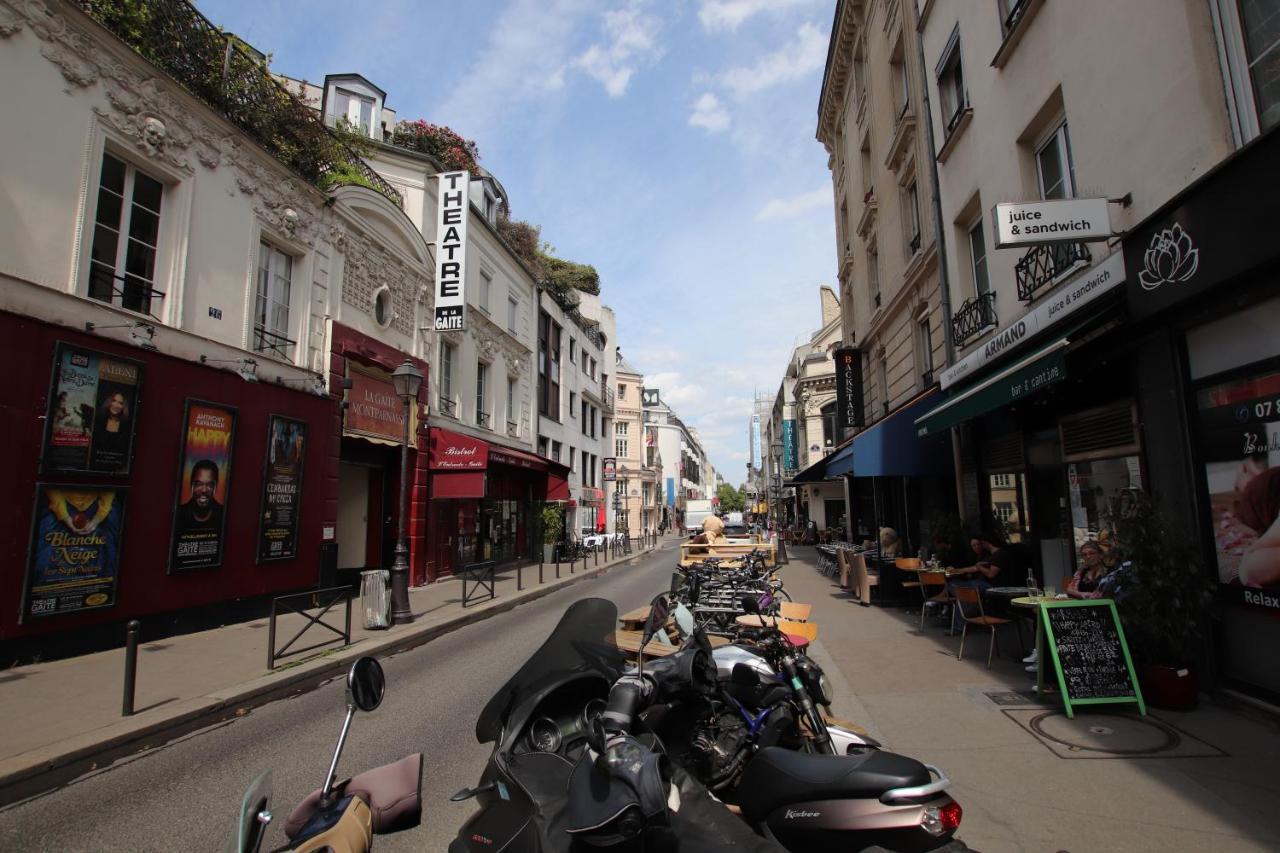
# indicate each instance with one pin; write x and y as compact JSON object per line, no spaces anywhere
{"x":443,"y":143}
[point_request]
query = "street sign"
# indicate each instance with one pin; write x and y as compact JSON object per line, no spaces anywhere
{"x":1066,"y":220}
{"x":610,"y":468}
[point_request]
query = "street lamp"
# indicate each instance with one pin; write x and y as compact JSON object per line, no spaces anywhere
{"x":407,"y":380}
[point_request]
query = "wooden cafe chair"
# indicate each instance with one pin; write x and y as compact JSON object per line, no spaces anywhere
{"x":929,"y":581}
{"x":865,"y":579}
{"x":968,"y":595}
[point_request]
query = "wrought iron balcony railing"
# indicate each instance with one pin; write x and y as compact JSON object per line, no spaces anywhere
{"x":1044,"y":266}
{"x":973,"y":316}
{"x":266,"y":341}
{"x":231,"y":77}
{"x":448,"y":407}
{"x":482,"y":419}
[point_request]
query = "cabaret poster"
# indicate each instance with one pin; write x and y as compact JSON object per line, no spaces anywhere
{"x":92,"y":412}
{"x":204,"y":481}
{"x":73,"y":563}
{"x":282,"y":489}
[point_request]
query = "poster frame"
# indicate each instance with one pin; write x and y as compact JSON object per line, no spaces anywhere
{"x":1047,"y":626}
{"x":259,"y":559}
{"x":43,"y":466}
{"x":177,"y":492}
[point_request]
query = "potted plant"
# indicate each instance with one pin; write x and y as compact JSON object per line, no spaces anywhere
{"x":1163,"y":596}
{"x":552,"y":518}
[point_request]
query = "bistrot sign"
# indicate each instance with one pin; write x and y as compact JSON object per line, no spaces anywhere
{"x":1067,"y":220}
{"x":451,"y":250}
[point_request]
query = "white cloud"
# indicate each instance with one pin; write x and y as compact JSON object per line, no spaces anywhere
{"x":675,"y":391}
{"x":804,"y":54}
{"x":730,"y":14}
{"x":631,"y":41}
{"x":787,"y":208}
{"x":709,"y":114}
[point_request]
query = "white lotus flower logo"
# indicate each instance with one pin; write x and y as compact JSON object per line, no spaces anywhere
{"x":1171,"y":258}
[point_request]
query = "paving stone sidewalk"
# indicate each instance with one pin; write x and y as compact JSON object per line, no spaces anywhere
{"x":63,"y":717}
{"x":1028,"y":778}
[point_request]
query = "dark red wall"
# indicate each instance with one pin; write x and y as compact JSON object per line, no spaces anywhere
{"x":145,"y":587}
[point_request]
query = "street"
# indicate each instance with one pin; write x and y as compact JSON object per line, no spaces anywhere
{"x":186,"y":795}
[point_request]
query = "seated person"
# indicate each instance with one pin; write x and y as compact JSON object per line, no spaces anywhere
{"x":712,"y":534}
{"x":998,"y":562}
{"x":888,"y":542}
{"x":1084,"y":583}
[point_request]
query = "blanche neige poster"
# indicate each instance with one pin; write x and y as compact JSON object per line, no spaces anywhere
{"x":74,"y":559}
{"x":204,"y":481}
{"x":282,"y":489}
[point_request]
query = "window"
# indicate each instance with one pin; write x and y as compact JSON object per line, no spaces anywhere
{"x":126,"y":233}
{"x":357,"y":109}
{"x":511,"y":403}
{"x":513,"y":312}
{"x":573,"y":351}
{"x":383,"y":313}
{"x":555,"y":450}
{"x":548,"y":367}
{"x":573,"y":459}
{"x":586,"y":465}
{"x":951,"y":83}
{"x":271,"y":309}
{"x":542,"y":446}
{"x":1251,"y":40}
{"x":620,"y":439}
{"x":584,"y":418}
{"x":911,"y":201}
{"x":844,"y":224}
{"x":446,"y":378}
{"x":622,"y":391}
{"x":902,"y":82}
{"x":868,"y":190}
{"x":926,"y":351}
{"x":829,"y":424}
{"x":882,"y":368}
{"x":873,"y":277}
{"x":486,"y":288}
{"x":1011,"y":13}
{"x":593,"y":368}
{"x":482,"y":380}
{"x":978,"y":257}
{"x":595,"y":417}
{"x":1053,"y":166}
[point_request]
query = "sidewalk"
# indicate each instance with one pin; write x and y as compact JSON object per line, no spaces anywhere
{"x":63,"y":718}
{"x":1028,"y":778}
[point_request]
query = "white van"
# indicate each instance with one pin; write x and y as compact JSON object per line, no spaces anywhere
{"x":694,"y":514}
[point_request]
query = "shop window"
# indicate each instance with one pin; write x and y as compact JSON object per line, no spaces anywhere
{"x":1054,"y":167}
{"x":126,"y":236}
{"x":1091,"y":486}
{"x":1009,"y":505}
{"x":271,"y":304}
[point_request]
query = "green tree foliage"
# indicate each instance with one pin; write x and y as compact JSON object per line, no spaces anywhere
{"x":731,"y":499}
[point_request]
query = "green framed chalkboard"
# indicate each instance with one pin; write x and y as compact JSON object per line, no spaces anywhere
{"x":1092,"y":656}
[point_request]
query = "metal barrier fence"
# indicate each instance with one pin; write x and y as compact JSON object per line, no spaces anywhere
{"x":483,"y":585}
{"x":322,"y":599}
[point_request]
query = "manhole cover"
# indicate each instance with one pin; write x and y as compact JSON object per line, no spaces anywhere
{"x":1108,"y":733}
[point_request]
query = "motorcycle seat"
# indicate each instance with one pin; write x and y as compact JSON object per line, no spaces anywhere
{"x":778,"y":777}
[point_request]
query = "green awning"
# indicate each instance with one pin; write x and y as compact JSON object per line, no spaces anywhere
{"x":1037,"y":371}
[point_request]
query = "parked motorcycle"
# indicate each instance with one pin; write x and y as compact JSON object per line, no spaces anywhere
{"x":341,"y":817}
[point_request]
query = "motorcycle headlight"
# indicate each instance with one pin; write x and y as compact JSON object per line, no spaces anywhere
{"x":824,"y":688}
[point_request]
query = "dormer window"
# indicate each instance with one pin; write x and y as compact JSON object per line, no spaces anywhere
{"x":356,"y":109}
{"x":354,"y":100}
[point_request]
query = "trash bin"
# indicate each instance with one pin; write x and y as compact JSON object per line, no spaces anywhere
{"x":375,"y":598}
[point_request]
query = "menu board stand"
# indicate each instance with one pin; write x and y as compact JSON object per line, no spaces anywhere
{"x":1090,"y":653}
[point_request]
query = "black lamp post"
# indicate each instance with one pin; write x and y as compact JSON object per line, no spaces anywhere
{"x":407,"y":379}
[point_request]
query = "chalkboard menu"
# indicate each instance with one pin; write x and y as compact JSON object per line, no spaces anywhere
{"x":1088,"y":646}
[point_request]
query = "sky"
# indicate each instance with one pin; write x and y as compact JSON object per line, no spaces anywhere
{"x":669,"y":143}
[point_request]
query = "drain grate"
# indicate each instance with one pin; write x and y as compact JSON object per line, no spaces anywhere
{"x":1014,"y":698}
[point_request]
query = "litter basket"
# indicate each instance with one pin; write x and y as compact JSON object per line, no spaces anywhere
{"x":375,"y":598}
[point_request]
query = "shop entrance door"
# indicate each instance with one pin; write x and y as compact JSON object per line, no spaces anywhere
{"x":1050,"y":526}
{"x":353,"y":515}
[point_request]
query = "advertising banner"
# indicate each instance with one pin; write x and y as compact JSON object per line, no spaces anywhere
{"x":204,"y":481}
{"x":374,"y":410}
{"x":1239,"y":438}
{"x":757,"y":449}
{"x":790,"y":452}
{"x":454,"y":209}
{"x":73,"y":561}
{"x":282,"y":489}
{"x":92,"y":412}
{"x":849,"y":388}
{"x":609,"y":467}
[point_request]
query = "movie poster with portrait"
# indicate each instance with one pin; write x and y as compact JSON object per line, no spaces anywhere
{"x":282,"y":489}
{"x":204,"y":482}
{"x":1239,"y":440}
{"x":73,"y":562}
{"x":93,"y":402}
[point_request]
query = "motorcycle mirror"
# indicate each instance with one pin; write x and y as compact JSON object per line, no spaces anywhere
{"x":659,"y":612}
{"x":366,"y":684}
{"x":749,"y":603}
{"x":595,"y":735}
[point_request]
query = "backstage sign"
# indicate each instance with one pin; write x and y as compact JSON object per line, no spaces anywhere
{"x":849,"y":387}
{"x":1063,"y":302}
{"x":451,"y":250}
{"x":1066,"y":220}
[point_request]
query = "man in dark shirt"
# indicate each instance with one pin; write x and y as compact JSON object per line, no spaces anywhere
{"x":999,"y":563}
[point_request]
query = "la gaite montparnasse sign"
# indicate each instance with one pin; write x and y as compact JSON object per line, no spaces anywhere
{"x":451,"y":250}
{"x":849,"y":387}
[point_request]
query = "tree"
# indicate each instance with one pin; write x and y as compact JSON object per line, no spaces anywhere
{"x":731,"y":499}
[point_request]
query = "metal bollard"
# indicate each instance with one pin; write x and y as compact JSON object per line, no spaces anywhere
{"x":130,"y":665}
{"x":519,"y":577}
{"x":584,"y":561}
{"x":557,"y":565}
{"x":597,"y":553}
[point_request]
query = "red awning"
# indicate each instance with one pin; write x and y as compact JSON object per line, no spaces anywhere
{"x":457,"y":484}
{"x":453,"y":451}
{"x":557,"y":486}
{"x":516,"y":458}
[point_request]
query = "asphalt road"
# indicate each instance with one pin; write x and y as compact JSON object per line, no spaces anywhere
{"x":185,"y":796}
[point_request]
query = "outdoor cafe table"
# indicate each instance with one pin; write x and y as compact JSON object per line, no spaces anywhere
{"x":1033,"y":603}
{"x":633,"y":620}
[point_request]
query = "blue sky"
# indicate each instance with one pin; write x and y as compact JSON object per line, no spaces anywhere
{"x":670,"y":143}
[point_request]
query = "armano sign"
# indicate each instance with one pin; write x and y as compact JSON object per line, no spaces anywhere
{"x":1068,"y":220}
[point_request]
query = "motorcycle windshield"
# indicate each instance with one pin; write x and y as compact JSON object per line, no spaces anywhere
{"x":582,"y":643}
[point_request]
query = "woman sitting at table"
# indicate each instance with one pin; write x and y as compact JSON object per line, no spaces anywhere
{"x":1084,"y":583}
{"x":888,"y":542}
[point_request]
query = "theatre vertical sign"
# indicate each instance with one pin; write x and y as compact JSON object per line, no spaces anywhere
{"x":451,"y":250}
{"x":849,"y":388}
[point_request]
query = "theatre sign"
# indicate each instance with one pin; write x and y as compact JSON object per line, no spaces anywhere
{"x":1067,"y":220}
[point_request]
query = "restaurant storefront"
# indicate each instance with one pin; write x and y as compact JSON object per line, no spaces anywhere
{"x":483,"y":500}
{"x":1048,"y":420}
{"x":1206,"y":313}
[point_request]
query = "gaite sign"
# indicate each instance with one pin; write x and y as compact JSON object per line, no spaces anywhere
{"x":452,"y":451}
{"x":451,"y":250}
{"x":1067,"y":220}
{"x":374,"y":409}
{"x":849,"y":387}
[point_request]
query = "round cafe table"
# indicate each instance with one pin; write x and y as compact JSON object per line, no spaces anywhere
{"x":1033,"y":603}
